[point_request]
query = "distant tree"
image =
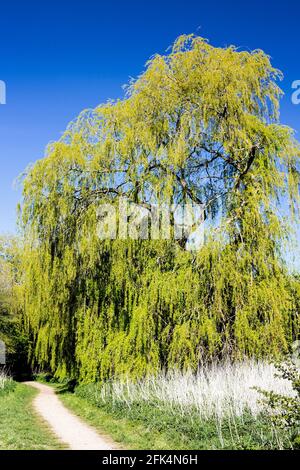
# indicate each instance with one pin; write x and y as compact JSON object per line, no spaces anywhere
{"x":6,"y":285}
{"x":11,"y":331}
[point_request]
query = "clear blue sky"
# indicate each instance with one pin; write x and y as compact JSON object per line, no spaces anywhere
{"x":58,"y":58}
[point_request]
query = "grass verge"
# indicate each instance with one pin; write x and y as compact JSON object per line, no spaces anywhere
{"x":20,"y":427}
{"x":149,"y":427}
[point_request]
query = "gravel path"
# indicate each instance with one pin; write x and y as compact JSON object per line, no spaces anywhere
{"x":68,"y":427}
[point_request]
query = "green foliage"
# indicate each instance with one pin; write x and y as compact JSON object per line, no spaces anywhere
{"x":6,"y":287}
{"x":199,"y":125}
{"x":11,"y":306}
{"x":43,"y":377}
{"x":285,"y":410}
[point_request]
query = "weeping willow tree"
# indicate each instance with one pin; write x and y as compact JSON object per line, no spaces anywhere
{"x":200,"y":125}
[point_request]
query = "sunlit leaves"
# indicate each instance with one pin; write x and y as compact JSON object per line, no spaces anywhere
{"x":199,"y":125}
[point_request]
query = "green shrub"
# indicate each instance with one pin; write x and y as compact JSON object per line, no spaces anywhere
{"x":285,"y":409}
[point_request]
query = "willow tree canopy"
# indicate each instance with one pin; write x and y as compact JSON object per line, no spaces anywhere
{"x":200,"y":125}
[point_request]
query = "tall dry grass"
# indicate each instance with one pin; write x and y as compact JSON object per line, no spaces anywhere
{"x":216,"y":390}
{"x":5,"y":380}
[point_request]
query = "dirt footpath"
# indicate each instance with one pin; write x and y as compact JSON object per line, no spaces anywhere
{"x":70,"y":429}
